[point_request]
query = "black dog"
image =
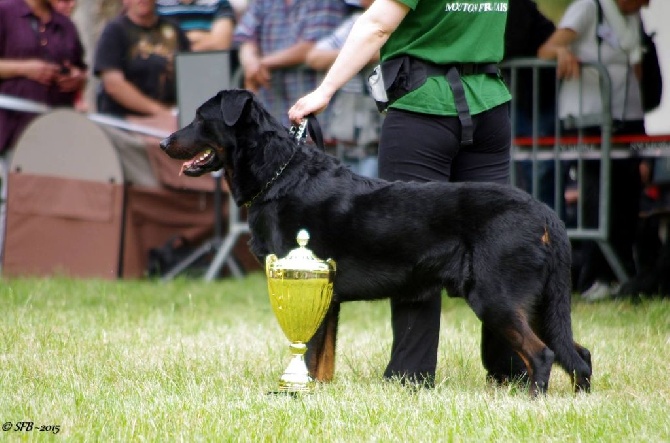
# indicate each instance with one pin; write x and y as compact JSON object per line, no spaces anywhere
{"x":506,"y":254}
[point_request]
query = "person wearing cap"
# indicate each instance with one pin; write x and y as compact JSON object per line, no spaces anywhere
{"x":447,"y":119}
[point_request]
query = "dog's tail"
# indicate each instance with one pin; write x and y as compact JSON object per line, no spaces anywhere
{"x":556,"y":312}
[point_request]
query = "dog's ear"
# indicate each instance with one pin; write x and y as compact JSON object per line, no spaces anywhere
{"x":233,"y":104}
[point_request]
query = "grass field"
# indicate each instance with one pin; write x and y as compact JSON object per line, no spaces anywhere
{"x":192,"y":361}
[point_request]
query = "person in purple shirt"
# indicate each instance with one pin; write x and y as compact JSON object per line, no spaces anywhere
{"x":41,"y":59}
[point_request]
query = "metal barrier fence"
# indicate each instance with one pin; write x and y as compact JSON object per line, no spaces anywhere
{"x":559,"y":149}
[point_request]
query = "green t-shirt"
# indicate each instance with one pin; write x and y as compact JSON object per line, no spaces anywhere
{"x":470,"y":31}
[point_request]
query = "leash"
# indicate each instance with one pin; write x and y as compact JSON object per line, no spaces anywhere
{"x":298,"y":131}
{"x":311,"y":124}
{"x":271,"y":181}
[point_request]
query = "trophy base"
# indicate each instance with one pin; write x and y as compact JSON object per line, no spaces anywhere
{"x":296,"y":386}
{"x":285,"y":393}
{"x":295,"y":378}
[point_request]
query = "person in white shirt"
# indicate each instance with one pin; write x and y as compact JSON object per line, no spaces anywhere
{"x":613,"y":41}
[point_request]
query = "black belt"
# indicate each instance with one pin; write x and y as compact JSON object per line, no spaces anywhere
{"x":453,"y":74}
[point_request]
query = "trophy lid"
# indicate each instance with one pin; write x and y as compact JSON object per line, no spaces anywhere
{"x":302,"y":258}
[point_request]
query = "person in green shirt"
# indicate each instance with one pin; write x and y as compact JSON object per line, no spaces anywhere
{"x":448,"y":121}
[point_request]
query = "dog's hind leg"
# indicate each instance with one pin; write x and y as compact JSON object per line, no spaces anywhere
{"x":576,"y":361}
{"x":556,"y":327}
{"x":514,"y":327}
{"x":502,"y":364}
{"x":555,"y":318}
{"x":321,"y":348}
{"x":581,"y":380}
{"x":584,"y":353}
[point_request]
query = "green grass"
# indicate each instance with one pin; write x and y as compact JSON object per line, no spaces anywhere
{"x":192,"y":361}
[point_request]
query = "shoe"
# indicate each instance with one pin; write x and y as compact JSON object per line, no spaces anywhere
{"x":599,"y":290}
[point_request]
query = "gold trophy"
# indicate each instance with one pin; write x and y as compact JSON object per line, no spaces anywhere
{"x":301,"y":288}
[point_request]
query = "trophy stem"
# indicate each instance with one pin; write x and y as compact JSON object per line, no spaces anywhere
{"x":296,"y":377}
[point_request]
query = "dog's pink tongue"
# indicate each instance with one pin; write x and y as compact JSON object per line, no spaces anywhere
{"x":184,"y":166}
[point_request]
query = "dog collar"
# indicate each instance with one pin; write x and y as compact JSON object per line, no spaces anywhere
{"x":272,"y":180}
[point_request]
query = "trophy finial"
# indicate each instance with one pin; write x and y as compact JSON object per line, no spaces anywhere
{"x":302,"y":238}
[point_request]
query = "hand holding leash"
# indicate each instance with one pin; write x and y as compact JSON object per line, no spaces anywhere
{"x":312,"y":103}
{"x":312,"y":125}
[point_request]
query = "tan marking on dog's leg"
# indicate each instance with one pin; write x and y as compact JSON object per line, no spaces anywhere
{"x":537,"y":357}
{"x":325,"y":364}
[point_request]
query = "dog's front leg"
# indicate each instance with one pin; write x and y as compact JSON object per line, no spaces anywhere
{"x":321,"y":348}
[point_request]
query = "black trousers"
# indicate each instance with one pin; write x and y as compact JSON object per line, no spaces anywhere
{"x":420,"y":147}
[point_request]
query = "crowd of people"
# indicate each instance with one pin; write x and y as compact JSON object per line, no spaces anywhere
{"x":448,"y":111}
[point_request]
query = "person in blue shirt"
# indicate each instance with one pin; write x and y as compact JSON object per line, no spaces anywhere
{"x":208,"y":24}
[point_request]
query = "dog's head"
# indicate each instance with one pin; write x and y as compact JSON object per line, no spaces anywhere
{"x":206,"y":142}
